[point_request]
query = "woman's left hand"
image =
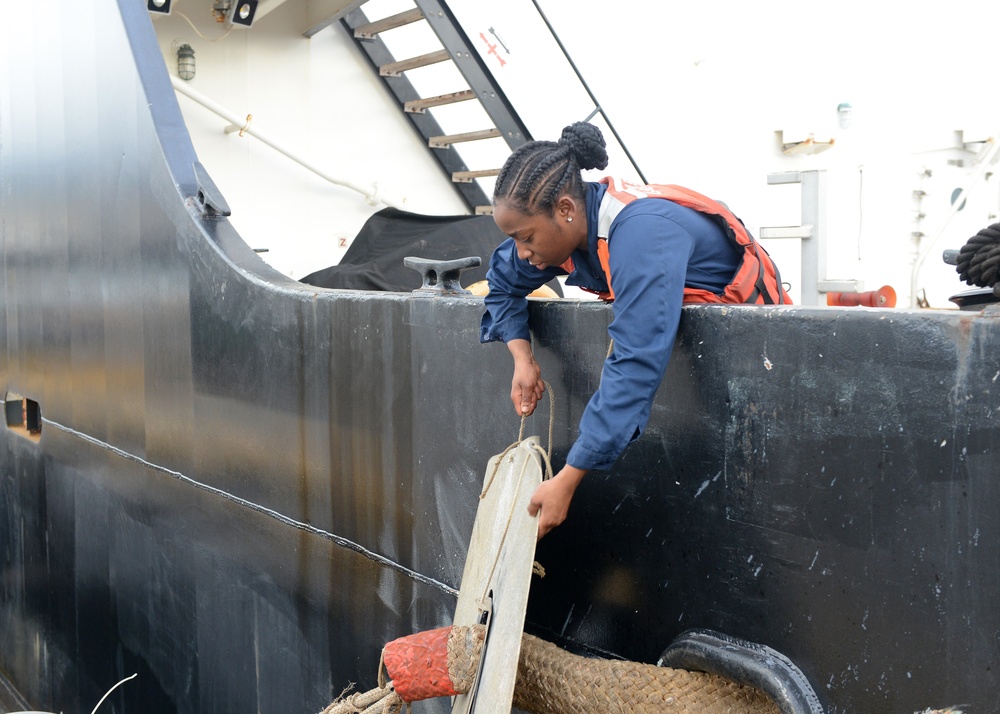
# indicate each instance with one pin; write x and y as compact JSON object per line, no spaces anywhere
{"x":552,"y":498}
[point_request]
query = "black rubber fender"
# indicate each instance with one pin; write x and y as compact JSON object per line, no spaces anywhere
{"x":746,"y":663}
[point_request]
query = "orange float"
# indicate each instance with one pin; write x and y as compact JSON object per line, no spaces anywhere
{"x":885,"y":296}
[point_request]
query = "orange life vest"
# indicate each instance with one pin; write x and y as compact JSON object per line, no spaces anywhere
{"x":757,"y":281}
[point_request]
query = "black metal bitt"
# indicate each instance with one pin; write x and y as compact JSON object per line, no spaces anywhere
{"x":441,"y":276}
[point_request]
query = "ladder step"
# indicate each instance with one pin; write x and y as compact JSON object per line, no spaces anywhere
{"x":418,"y":106}
{"x":470,"y":176}
{"x":394,"y":69}
{"x":803,"y":232}
{"x":372,"y":29}
{"x":443,"y":142}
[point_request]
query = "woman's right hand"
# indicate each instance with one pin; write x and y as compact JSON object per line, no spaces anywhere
{"x":526,"y":387}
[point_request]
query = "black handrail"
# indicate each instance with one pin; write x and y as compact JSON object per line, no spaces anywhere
{"x":597,"y":104}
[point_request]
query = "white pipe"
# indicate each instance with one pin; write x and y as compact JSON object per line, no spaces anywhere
{"x":369,"y":192}
{"x":955,"y":206}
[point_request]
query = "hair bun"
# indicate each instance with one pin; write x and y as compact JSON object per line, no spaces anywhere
{"x":586,"y":143}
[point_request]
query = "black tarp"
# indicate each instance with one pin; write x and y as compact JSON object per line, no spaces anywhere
{"x":375,"y":259}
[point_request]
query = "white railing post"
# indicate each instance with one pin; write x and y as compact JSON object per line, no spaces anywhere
{"x":812,"y":232}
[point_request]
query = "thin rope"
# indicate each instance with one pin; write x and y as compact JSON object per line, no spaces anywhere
{"x":552,"y":419}
{"x":520,"y":437}
{"x":547,"y":460}
{"x":503,"y":538}
{"x":496,"y":468}
{"x":381,"y":700}
{"x":546,"y":455}
{"x":383,"y":679}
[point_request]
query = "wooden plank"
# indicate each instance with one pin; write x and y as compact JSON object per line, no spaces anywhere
{"x":394,"y":69}
{"x":443,"y":142}
{"x":419,"y":106}
{"x":372,"y":29}
{"x":470,"y":176}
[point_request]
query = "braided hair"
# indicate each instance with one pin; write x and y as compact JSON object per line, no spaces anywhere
{"x":539,"y":172}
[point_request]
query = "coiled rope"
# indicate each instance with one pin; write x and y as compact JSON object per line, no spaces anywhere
{"x":979,"y":259}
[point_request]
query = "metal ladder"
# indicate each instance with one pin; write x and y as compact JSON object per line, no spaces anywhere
{"x":480,"y":84}
{"x":812,"y":233}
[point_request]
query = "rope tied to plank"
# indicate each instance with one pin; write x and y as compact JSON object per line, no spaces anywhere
{"x":546,"y":455}
{"x":444,"y":662}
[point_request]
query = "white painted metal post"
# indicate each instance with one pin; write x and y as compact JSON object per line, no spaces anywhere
{"x":813,"y":208}
{"x":812,"y":233}
{"x":813,"y":247}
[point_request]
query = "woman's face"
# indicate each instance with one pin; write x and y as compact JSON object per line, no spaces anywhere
{"x":544,"y":240}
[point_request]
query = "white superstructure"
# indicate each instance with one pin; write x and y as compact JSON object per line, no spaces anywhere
{"x":890,"y":100}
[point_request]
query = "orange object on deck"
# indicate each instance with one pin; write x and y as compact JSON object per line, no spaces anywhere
{"x":418,"y":665}
{"x":883,"y":297}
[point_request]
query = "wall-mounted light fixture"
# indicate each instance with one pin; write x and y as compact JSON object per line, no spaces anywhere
{"x":845,"y":115}
{"x":242,"y":12}
{"x":158,"y":6}
{"x":185,"y":62}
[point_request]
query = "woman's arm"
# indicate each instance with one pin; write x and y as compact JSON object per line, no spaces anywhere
{"x":649,"y":256}
{"x":648,"y":266}
{"x":506,"y":318}
{"x":526,"y":387}
{"x":510,"y":280}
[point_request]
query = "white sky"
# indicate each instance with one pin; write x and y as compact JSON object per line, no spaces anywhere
{"x":699,"y":90}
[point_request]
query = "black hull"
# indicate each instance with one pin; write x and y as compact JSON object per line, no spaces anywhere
{"x":244,"y":486}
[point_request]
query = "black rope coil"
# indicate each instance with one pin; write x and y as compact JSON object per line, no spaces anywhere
{"x":979,"y":259}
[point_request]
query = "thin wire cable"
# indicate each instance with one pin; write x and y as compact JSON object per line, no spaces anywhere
{"x":256,"y":507}
{"x":207,"y":39}
{"x":197,"y":32}
{"x":108,"y":693}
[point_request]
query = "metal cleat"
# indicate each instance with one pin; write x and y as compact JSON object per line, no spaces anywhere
{"x":441,"y":276}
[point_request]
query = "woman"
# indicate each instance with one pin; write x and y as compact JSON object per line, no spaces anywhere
{"x":678,"y":248}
